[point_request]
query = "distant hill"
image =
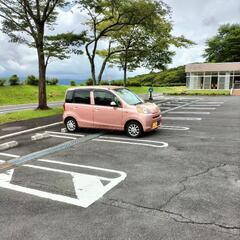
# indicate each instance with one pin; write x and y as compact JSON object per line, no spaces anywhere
{"x":171,"y":77}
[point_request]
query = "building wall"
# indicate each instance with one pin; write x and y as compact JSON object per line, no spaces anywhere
{"x":205,"y":80}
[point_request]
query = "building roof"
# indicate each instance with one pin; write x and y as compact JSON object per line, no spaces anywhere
{"x":213,"y":67}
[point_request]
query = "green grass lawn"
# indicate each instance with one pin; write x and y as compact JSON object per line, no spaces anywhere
{"x":29,"y":114}
{"x":23,"y":94}
{"x":29,"y":94}
{"x":143,"y":89}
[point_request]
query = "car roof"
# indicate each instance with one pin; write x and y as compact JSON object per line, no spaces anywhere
{"x":110,"y":87}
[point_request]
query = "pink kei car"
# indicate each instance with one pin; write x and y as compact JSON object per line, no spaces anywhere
{"x":109,"y":107}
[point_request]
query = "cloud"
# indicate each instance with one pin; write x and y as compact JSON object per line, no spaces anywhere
{"x":196,"y":20}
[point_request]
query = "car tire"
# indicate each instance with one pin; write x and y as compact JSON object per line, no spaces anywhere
{"x":134,"y":129}
{"x":71,"y":125}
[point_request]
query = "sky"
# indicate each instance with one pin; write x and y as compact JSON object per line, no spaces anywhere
{"x":197,"y":20}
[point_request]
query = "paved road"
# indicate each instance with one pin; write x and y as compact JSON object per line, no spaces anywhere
{"x":179,"y":182}
{"x":19,"y":107}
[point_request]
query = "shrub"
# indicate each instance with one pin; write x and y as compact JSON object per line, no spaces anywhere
{"x":117,"y":83}
{"x":14,"y":80}
{"x":2,"y":82}
{"x":31,"y":80}
{"x":134,"y":83}
{"x":89,"y":82}
{"x":53,"y":81}
{"x":72,"y":83}
{"x":104,"y":83}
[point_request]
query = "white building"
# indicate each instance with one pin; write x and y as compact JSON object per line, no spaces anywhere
{"x":213,"y":75}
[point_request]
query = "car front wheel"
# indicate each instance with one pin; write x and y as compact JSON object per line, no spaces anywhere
{"x":134,"y":129}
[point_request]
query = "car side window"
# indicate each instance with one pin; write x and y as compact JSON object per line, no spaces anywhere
{"x":104,"y":98}
{"x":69,"y":97}
{"x":82,"y":96}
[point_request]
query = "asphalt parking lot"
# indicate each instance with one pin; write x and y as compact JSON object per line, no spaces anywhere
{"x":181,"y":181}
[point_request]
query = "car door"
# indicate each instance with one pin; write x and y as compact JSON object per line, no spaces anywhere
{"x":105,"y":115}
{"x":82,"y":107}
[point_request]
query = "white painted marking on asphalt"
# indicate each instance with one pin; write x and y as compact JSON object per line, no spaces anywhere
{"x":88,"y":188}
{"x":29,"y":130}
{"x":177,"y":128}
{"x":66,"y":134}
{"x":200,"y":105}
{"x":183,"y":118}
{"x":184,"y":105}
{"x":203,"y":113}
{"x":163,"y":144}
{"x":211,"y":102}
{"x":163,"y":107}
{"x":61,"y":136}
{"x":198,"y":108}
{"x":156,"y":144}
{"x":9,"y":155}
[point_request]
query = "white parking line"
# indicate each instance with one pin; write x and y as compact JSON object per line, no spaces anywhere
{"x":178,"y":128}
{"x":29,"y":130}
{"x":61,"y":136}
{"x":211,"y":103}
{"x":183,"y":118}
{"x":139,"y":142}
{"x":198,"y":108}
{"x":88,"y":188}
{"x":200,"y":105}
{"x":66,"y":134}
{"x":132,"y":143}
{"x":201,"y":113}
{"x":184,"y":105}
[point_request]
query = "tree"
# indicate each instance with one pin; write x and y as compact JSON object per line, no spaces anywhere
{"x":146,"y":44}
{"x":25,"y":21}
{"x":225,"y":46}
{"x":109,"y":16}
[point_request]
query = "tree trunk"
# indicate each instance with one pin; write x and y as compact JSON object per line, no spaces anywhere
{"x":125,"y":74}
{"x":102,"y":69}
{"x":42,"y":96}
{"x":93,"y":72}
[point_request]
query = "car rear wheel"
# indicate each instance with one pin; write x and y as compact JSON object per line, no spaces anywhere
{"x":71,"y":125}
{"x":134,"y":129}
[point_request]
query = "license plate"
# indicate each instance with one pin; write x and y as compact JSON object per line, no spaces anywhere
{"x":154,"y":125}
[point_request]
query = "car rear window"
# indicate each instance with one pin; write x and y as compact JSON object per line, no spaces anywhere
{"x":69,"y":97}
{"x":82,"y":96}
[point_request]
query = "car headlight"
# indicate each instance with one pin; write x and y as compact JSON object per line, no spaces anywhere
{"x":143,"y":110}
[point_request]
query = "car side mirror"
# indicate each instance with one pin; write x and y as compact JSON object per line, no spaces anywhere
{"x":113,"y":104}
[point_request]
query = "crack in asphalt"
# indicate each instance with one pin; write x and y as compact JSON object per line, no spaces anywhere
{"x":184,"y":219}
{"x":185,"y":179}
{"x":140,"y":208}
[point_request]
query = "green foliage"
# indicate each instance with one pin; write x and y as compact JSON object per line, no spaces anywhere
{"x":2,"y":82}
{"x":209,"y":92}
{"x":14,"y":80}
{"x":117,"y":83}
{"x":225,"y":46}
{"x":72,"y":83}
{"x":89,"y":82}
{"x":31,"y":80}
{"x":171,"y":77}
{"x":53,"y":81}
{"x":104,"y":83}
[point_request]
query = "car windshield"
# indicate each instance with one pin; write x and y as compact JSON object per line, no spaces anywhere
{"x":128,"y":96}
